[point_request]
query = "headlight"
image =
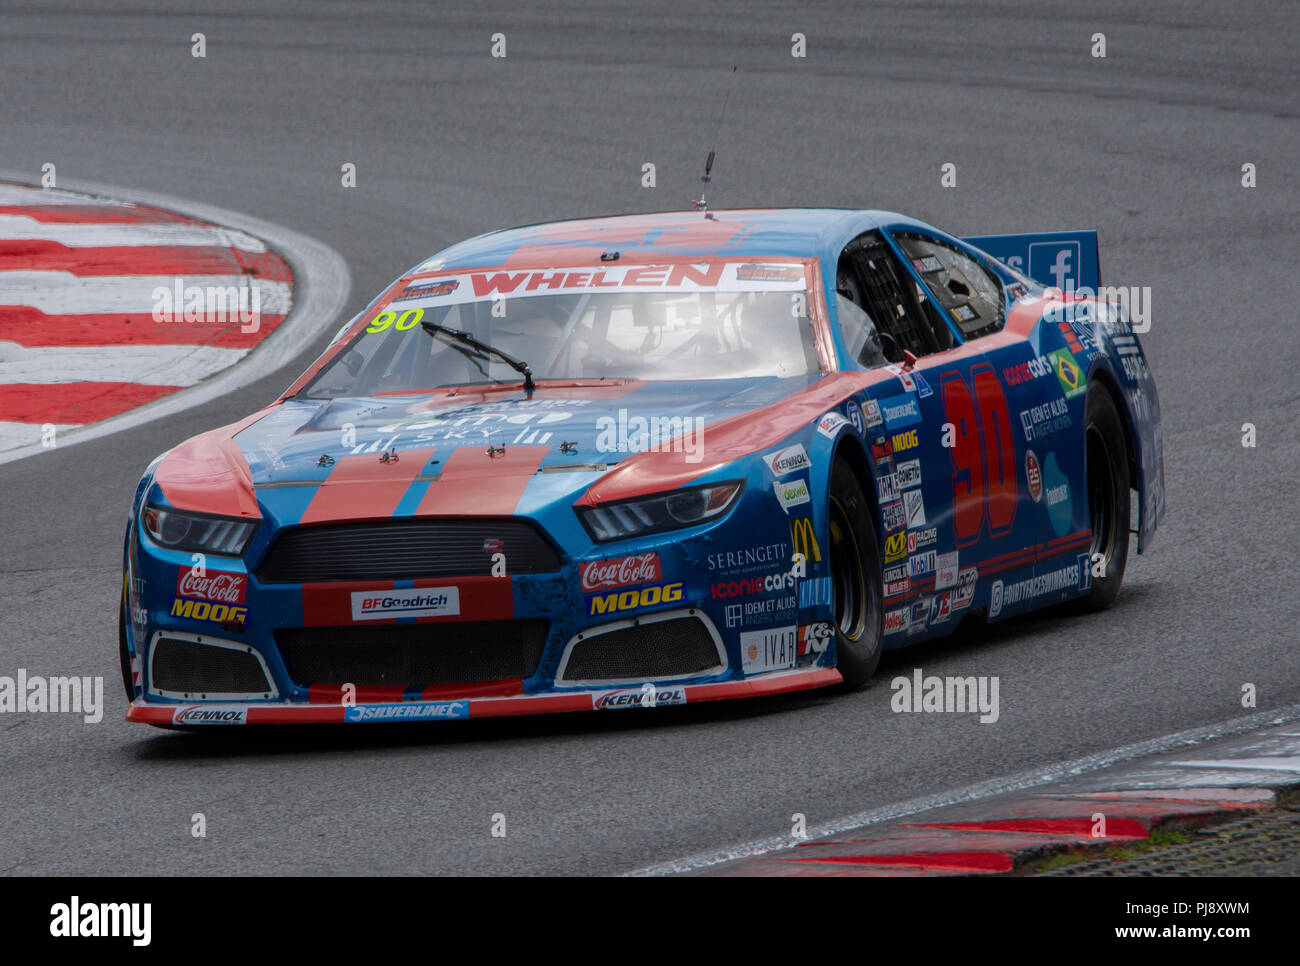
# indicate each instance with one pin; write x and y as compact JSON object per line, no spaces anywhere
{"x":196,"y":531}
{"x":663,"y":511}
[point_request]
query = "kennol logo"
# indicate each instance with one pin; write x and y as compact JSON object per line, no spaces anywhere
{"x":210,"y":716}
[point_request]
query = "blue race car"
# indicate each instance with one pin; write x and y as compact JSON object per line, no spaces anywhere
{"x":648,"y":460}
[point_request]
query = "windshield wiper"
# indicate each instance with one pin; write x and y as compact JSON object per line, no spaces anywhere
{"x":464,"y":338}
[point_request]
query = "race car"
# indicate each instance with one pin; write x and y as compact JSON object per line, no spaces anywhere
{"x":644,"y":461}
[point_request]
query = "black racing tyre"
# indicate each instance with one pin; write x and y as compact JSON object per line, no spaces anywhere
{"x":855,"y":579}
{"x":1106,"y":459}
{"x":124,"y":656}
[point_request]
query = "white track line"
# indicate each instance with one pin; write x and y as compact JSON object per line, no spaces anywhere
{"x":62,"y":293}
{"x":147,"y":365}
{"x":34,"y":195}
{"x":970,"y":793}
{"x":320,"y":290}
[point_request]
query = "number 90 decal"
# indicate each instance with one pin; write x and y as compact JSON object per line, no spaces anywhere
{"x":983,"y":454}
{"x":398,"y":323}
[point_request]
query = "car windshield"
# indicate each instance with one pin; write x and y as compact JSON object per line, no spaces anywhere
{"x":714,"y":320}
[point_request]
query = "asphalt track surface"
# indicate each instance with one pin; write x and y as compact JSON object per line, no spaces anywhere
{"x":1146,"y":145}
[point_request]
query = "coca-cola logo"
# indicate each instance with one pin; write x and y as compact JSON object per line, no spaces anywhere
{"x":218,"y":587}
{"x":620,"y":572}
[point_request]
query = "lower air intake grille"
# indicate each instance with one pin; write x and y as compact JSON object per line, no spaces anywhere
{"x":413,"y":656}
{"x":189,"y":668}
{"x":647,"y":651}
{"x":405,"y":550}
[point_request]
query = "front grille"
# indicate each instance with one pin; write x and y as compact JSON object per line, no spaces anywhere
{"x":405,"y":551}
{"x":644,"y":652}
{"x":415,"y":656}
{"x":189,"y":668}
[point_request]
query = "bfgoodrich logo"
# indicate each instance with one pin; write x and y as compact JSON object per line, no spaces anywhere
{"x":76,"y":920}
{"x":370,"y":605}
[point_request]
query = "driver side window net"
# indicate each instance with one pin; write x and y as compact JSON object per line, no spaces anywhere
{"x":870,"y":276}
{"x":968,"y":292}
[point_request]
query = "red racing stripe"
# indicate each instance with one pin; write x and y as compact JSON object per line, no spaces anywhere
{"x":945,"y":861}
{"x":360,"y":487}
{"x":475,"y":484}
{"x":74,"y":402}
{"x":1116,"y":828}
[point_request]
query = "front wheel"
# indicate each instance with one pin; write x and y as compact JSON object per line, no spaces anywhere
{"x":1106,"y":456}
{"x":855,"y":580}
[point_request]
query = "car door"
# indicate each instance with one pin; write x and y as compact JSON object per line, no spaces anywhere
{"x":904,"y":426}
{"x":1012,"y":498}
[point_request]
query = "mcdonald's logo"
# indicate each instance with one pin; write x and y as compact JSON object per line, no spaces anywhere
{"x":804,"y":537}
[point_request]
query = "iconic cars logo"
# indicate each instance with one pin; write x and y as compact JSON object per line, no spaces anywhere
{"x":620,"y":572}
{"x":1026,"y":371}
{"x":220,"y":588}
{"x":750,"y":586}
{"x":788,"y":460}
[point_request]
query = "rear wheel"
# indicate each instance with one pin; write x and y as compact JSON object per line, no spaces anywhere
{"x":855,"y":580}
{"x":1106,"y":456}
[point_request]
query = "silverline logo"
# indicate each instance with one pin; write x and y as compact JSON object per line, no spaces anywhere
{"x":77,"y":920}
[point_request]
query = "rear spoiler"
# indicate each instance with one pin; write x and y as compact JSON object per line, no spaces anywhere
{"x":1064,"y":259}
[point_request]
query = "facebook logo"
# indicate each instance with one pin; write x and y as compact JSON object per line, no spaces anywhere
{"x":1056,"y":260}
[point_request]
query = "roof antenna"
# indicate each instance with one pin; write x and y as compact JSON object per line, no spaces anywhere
{"x":702,"y":204}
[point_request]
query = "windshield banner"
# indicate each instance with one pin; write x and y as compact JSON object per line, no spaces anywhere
{"x":739,"y":276}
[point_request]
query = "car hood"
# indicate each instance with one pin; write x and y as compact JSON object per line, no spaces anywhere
{"x":366,"y":457}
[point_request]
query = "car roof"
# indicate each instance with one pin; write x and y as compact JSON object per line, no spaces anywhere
{"x":740,"y":232}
